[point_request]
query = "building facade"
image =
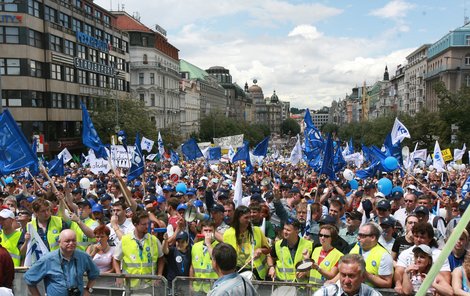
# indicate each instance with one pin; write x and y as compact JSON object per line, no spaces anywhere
{"x":274,"y":108}
{"x":415,"y":85}
{"x":154,"y":70}
{"x":54,"y":55}
{"x":260,"y":109}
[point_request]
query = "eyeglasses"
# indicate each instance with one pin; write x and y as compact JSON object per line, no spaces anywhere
{"x":324,"y":235}
{"x":364,"y":235}
{"x":409,"y":200}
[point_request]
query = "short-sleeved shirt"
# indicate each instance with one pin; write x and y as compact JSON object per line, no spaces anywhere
{"x":406,"y":258}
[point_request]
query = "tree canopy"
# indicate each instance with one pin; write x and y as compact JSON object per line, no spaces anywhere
{"x":290,"y":127}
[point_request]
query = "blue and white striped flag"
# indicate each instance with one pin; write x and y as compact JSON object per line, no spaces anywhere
{"x":161,"y":148}
{"x":146,"y":144}
{"x":36,"y":247}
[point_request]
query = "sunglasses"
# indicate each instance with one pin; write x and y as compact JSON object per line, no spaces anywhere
{"x":324,"y":235}
{"x":363,"y":235}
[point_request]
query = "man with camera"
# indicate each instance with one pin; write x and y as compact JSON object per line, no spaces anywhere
{"x":62,"y":270}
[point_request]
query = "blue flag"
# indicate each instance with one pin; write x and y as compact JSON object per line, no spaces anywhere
{"x":56,"y":166}
{"x":393,"y":150}
{"x":90,"y":137}
{"x":328,"y":165}
{"x":368,"y":172}
{"x":215,"y":153}
{"x":366,"y":152}
{"x":15,"y":151}
{"x":191,"y":150}
{"x":243,"y":153}
{"x":137,"y":161}
{"x":34,"y":168}
{"x":262,"y":148}
{"x":351,"y":146}
{"x":340,"y":163}
{"x":312,"y":137}
{"x":174,"y":157}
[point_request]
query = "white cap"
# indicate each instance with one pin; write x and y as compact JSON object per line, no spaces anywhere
{"x":425,"y":248}
{"x":5,"y":214}
{"x":379,"y":194}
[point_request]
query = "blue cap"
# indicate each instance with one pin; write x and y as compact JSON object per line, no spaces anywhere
{"x":137,"y":183}
{"x":182,"y":235}
{"x":167,"y":188}
{"x":150,"y":198}
{"x":105,"y":197}
{"x":182,"y":207}
{"x":97,"y":208}
{"x":198,"y":203}
{"x":161,"y":199}
{"x":30,"y":199}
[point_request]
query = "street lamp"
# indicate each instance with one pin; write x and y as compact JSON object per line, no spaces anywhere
{"x":116,"y":128}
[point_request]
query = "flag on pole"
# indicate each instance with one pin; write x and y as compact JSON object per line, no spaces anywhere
{"x":90,"y":137}
{"x":146,"y":144}
{"x":161,"y":147}
{"x":438,"y":161}
{"x":15,"y":151}
{"x":137,"y":161}
{"x":296,"y":153}
{"x":215,"y":153}
{"x":262,"y":148}
{"x":231,"y":153}
{"x":328,"y":166}
{"x":174,"y":157}
{"x":399,"y":132}
{"x":191,"y":150}
{"x":56,"y":166}
{"x":34,"y":167}
{"x":66,"y":154}
{"x":238,"y":192}
{"x":459,"y":153}
{"x":36,"y":247}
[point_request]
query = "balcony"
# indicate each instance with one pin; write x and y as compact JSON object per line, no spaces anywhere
{"x":142,"y":65}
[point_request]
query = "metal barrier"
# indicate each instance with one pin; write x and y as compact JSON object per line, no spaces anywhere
{"x":105,"y":285}
{"x":181,"y":286}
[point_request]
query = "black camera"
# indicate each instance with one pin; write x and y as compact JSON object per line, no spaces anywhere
{"x":74,"y":291}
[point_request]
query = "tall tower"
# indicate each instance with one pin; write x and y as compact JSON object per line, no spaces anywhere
{"x":386,"y":76}
{"x":365,"y":103}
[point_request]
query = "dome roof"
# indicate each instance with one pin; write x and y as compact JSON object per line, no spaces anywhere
{"x":274,"y":98}
{"x":255,"y":89}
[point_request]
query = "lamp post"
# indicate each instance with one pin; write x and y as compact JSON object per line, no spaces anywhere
{"x":116,"y":128}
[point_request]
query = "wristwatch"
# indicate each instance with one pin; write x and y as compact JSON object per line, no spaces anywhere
{"x":90,"y":290}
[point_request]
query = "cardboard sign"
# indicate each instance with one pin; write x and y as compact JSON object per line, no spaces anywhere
{"x":447,"y":154}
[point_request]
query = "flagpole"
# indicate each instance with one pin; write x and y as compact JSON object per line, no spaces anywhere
{"x":34,"y":180}
{"x":54,"y":188}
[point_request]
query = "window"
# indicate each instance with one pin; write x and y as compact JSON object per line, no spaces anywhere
{"x":92,"y":55}
{"x":107,"y":20}
{"x":87,"y":9}
{"x":56,"y":72}
{"x":56,"y":100}
{"x":102,"y":81}
{"x":87,"y":29}
{"x":124,"y":46}
{"x":77,"y":3}
{"x":467,"y":80}
{"x":55,"y":43}
{"x":120,"y":64}
{"x":35,"y":38}
{"x":33,"y":8}
{"x":467,"y":60}
{"x":107,"y":37}
{"x":116,"y":42}
{"x":98,"y":34}
{"x":112,"y":61}
{"x":145,"y":41}
{"x":10,"y":66}
{"x":9,"y":35}
{"x":145,"y":59}
{"x":50,"y":14}
{"x":13,"y":98}
{"x":467,"y":40}
{"x":103,"y":58}
{"x":152,"y":78}
{"x":98,"y":14}
{"x":69,"y":101}
{"x":81,"y":51}
{"x":64,"y":20}
{"x":141,"y":78}
{"x":92,"y":79}
{"x":81,"y":75}
{"x":9,"y":5}
{"x":35,"y":68}
{"x":69,"y":74}
{"x":69,"y":47}
{"x":76,"y":25}
{"x":142,"y":98}
{"x":37,"y":99}
{"x":152,"y":100}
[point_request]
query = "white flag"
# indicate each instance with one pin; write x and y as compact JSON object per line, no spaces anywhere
{"x":151,"y":156}
{"x":238,"y":191}
{"x":146,"y":144}
{"x":421,"y":154}
{"x":399,"y":132}
{"x":438,"y":161}
{"x":66,"y":154}
{"x":36,"y":247}
{"x":296,"y":154}
{"x":161,"y":148}
{"x":458,"y":153}
{"x":231,"y":153}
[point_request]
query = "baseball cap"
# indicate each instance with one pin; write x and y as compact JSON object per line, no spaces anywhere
{"x":384,"y":205}
{"x":388,"y":221}
{"x":397,"y":195}
{"x":218,"y":208}
{"x":294,"y":190}
{"x":215,"y":180}
{"x":167,"y":188}
{"x":354,"y":215}
{"x":97,"y":208}
{"x":5,"y":214}
{"x":150,"y":198}
{"x":423,"y":248}
{"x":105,"y":197}
{"x":256,"y":197}
{"x":379,"y":194}
{"x":181,"y":207}
{"x":84,"y":202}
{"x":161,"y":199}
{"x":422,"y":209}
{"x":182,"y":235}
{"x":463,"y":204}
{"x":327,"y":219}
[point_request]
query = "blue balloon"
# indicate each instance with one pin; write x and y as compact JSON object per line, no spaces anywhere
{"x":354,"y":184}
{"x":181,"y":187}
{"x":385,"y":186}
{"x":390,"y":164}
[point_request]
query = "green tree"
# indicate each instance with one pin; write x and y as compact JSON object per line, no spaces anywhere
{"x":132,"y":118}
{"x":290,"y":126}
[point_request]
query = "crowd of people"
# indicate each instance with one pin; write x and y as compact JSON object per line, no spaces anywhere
{"x":345,"y":237}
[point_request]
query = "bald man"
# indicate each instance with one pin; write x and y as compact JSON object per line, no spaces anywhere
{"x":62,"y":270}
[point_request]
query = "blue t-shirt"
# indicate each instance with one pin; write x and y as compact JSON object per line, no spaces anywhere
{"x":455,"y":262}
{"x":178,"y":263}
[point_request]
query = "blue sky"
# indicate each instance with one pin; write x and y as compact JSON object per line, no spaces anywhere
{"x":310,"y":52}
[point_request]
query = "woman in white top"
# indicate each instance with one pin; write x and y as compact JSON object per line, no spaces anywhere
{"x":101,"y":252}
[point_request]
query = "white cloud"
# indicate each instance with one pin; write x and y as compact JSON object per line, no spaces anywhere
{"x":306,"y":31}
{"x":393,"y":10}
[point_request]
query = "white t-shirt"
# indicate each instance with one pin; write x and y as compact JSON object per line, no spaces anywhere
{"x":406,"y":258}
{"x":126,"y":227}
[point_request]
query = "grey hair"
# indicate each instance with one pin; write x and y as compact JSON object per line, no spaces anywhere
{"x":354,"y":258}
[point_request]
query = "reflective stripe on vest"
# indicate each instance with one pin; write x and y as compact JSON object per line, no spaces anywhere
{"x":285,"y":266}
{"x":53,"y":230}
{"x":82,"y":240}
{"x":229,"y":238}
{"x":11,"y":245}
{"x":327,"y":264}
{"x":202,"y":266}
